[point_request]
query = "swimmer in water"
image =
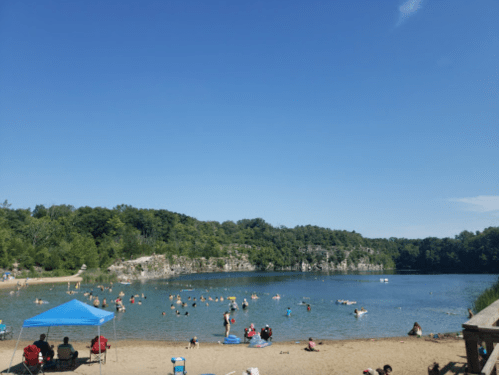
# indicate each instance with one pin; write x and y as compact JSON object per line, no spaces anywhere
{"x":172,"y":307}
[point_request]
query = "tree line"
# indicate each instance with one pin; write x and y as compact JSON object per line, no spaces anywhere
{"x":61,"y":238}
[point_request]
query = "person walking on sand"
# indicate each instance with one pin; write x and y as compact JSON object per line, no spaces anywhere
{"x":227,"y":323}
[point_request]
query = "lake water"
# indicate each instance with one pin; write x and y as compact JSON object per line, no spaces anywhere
{"x":437,"y":302}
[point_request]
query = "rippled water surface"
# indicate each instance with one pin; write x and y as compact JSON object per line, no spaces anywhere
{"x":437,"y":302}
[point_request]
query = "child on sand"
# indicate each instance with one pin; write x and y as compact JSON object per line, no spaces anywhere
{"x":311,"y":345}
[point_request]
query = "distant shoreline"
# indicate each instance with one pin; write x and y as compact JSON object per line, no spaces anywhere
{"x":41,"y":280}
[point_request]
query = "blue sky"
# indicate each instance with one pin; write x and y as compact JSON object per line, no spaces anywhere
{"x":375,"y":116}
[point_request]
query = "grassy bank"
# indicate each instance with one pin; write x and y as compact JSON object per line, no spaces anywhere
{"x":489,"y":296}
{"x":98,"y":276}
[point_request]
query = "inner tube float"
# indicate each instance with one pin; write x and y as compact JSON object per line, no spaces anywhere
{"x":232,"y":339}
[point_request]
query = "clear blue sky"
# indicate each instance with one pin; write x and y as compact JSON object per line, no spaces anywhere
{"x":375,"y":116}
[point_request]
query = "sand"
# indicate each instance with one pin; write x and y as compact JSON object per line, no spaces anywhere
{"x":406,"y":355}
{"x":45,"y":280}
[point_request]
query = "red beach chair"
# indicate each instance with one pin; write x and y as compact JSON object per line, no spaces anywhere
{"x":94,"y":349}
{"x":32,"y":360}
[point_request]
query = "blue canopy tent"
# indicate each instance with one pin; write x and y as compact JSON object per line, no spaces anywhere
{"x":72,"y":313}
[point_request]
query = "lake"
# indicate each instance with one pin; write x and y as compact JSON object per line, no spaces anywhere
{"x":438,"y":303}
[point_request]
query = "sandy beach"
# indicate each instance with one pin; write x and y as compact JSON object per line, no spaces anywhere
{"x":406,"y":355}
{"x":45,"y":280}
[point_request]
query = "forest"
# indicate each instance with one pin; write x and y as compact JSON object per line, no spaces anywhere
{"x":60,"y":238}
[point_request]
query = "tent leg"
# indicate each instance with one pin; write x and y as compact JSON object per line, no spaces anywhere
{"x":115,"y":349}
{"x":100,"y":354}
{"x":17,"y":343}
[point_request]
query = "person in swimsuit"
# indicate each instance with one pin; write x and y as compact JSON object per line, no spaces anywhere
{"x":227,"y":323}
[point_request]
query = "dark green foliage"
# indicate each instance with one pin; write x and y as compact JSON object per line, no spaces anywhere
{"x":487,"y":297}
{"x":61,"y":238}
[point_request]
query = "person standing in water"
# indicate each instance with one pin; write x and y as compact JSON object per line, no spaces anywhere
{"x":227,"y":323}
{"x":288,"y":311}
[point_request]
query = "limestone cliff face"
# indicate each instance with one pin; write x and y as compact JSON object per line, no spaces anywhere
{"x":159,"y":267}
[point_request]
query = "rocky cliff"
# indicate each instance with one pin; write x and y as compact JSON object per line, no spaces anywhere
{"x":160,"y":267}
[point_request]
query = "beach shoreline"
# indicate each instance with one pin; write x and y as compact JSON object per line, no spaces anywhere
{"x":406,"y":355}
{"x":13,"y":283}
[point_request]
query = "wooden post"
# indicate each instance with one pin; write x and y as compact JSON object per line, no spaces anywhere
{"x":472,"y":353}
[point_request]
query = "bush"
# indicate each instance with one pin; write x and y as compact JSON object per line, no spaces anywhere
{"x":485,"y":299}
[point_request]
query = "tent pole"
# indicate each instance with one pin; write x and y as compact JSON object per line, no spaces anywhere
{"x":115,"y":349}
{"x":100,"y":354}
{"x":17,"y":343}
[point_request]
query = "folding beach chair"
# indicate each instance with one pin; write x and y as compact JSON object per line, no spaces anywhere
{"x":178,"y":369}
{"x":94,"y":350}
{"x":64,"y":357}
{"x":5,"y":332}
{"x":32,"y":360}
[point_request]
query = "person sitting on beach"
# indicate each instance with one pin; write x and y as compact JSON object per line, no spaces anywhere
{"x":434,"y":369}
{"x":387,"y":369}
{"x":45,"y":348}
{"x":311,"y":346}
{"x":416,"y":330}
{"x":66,"y":344}
{"x":194,"y":343}
{"x":266,"y":333}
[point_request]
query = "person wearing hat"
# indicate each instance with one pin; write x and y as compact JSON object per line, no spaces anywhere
{"x":227,"y":323}
{"x":194,"y":343}
{"x":266,"y":333}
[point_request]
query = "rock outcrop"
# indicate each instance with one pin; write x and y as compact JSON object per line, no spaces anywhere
{"x":160,"y":267}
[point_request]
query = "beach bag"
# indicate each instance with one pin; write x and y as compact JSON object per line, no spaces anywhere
{"x":257,"y":342}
